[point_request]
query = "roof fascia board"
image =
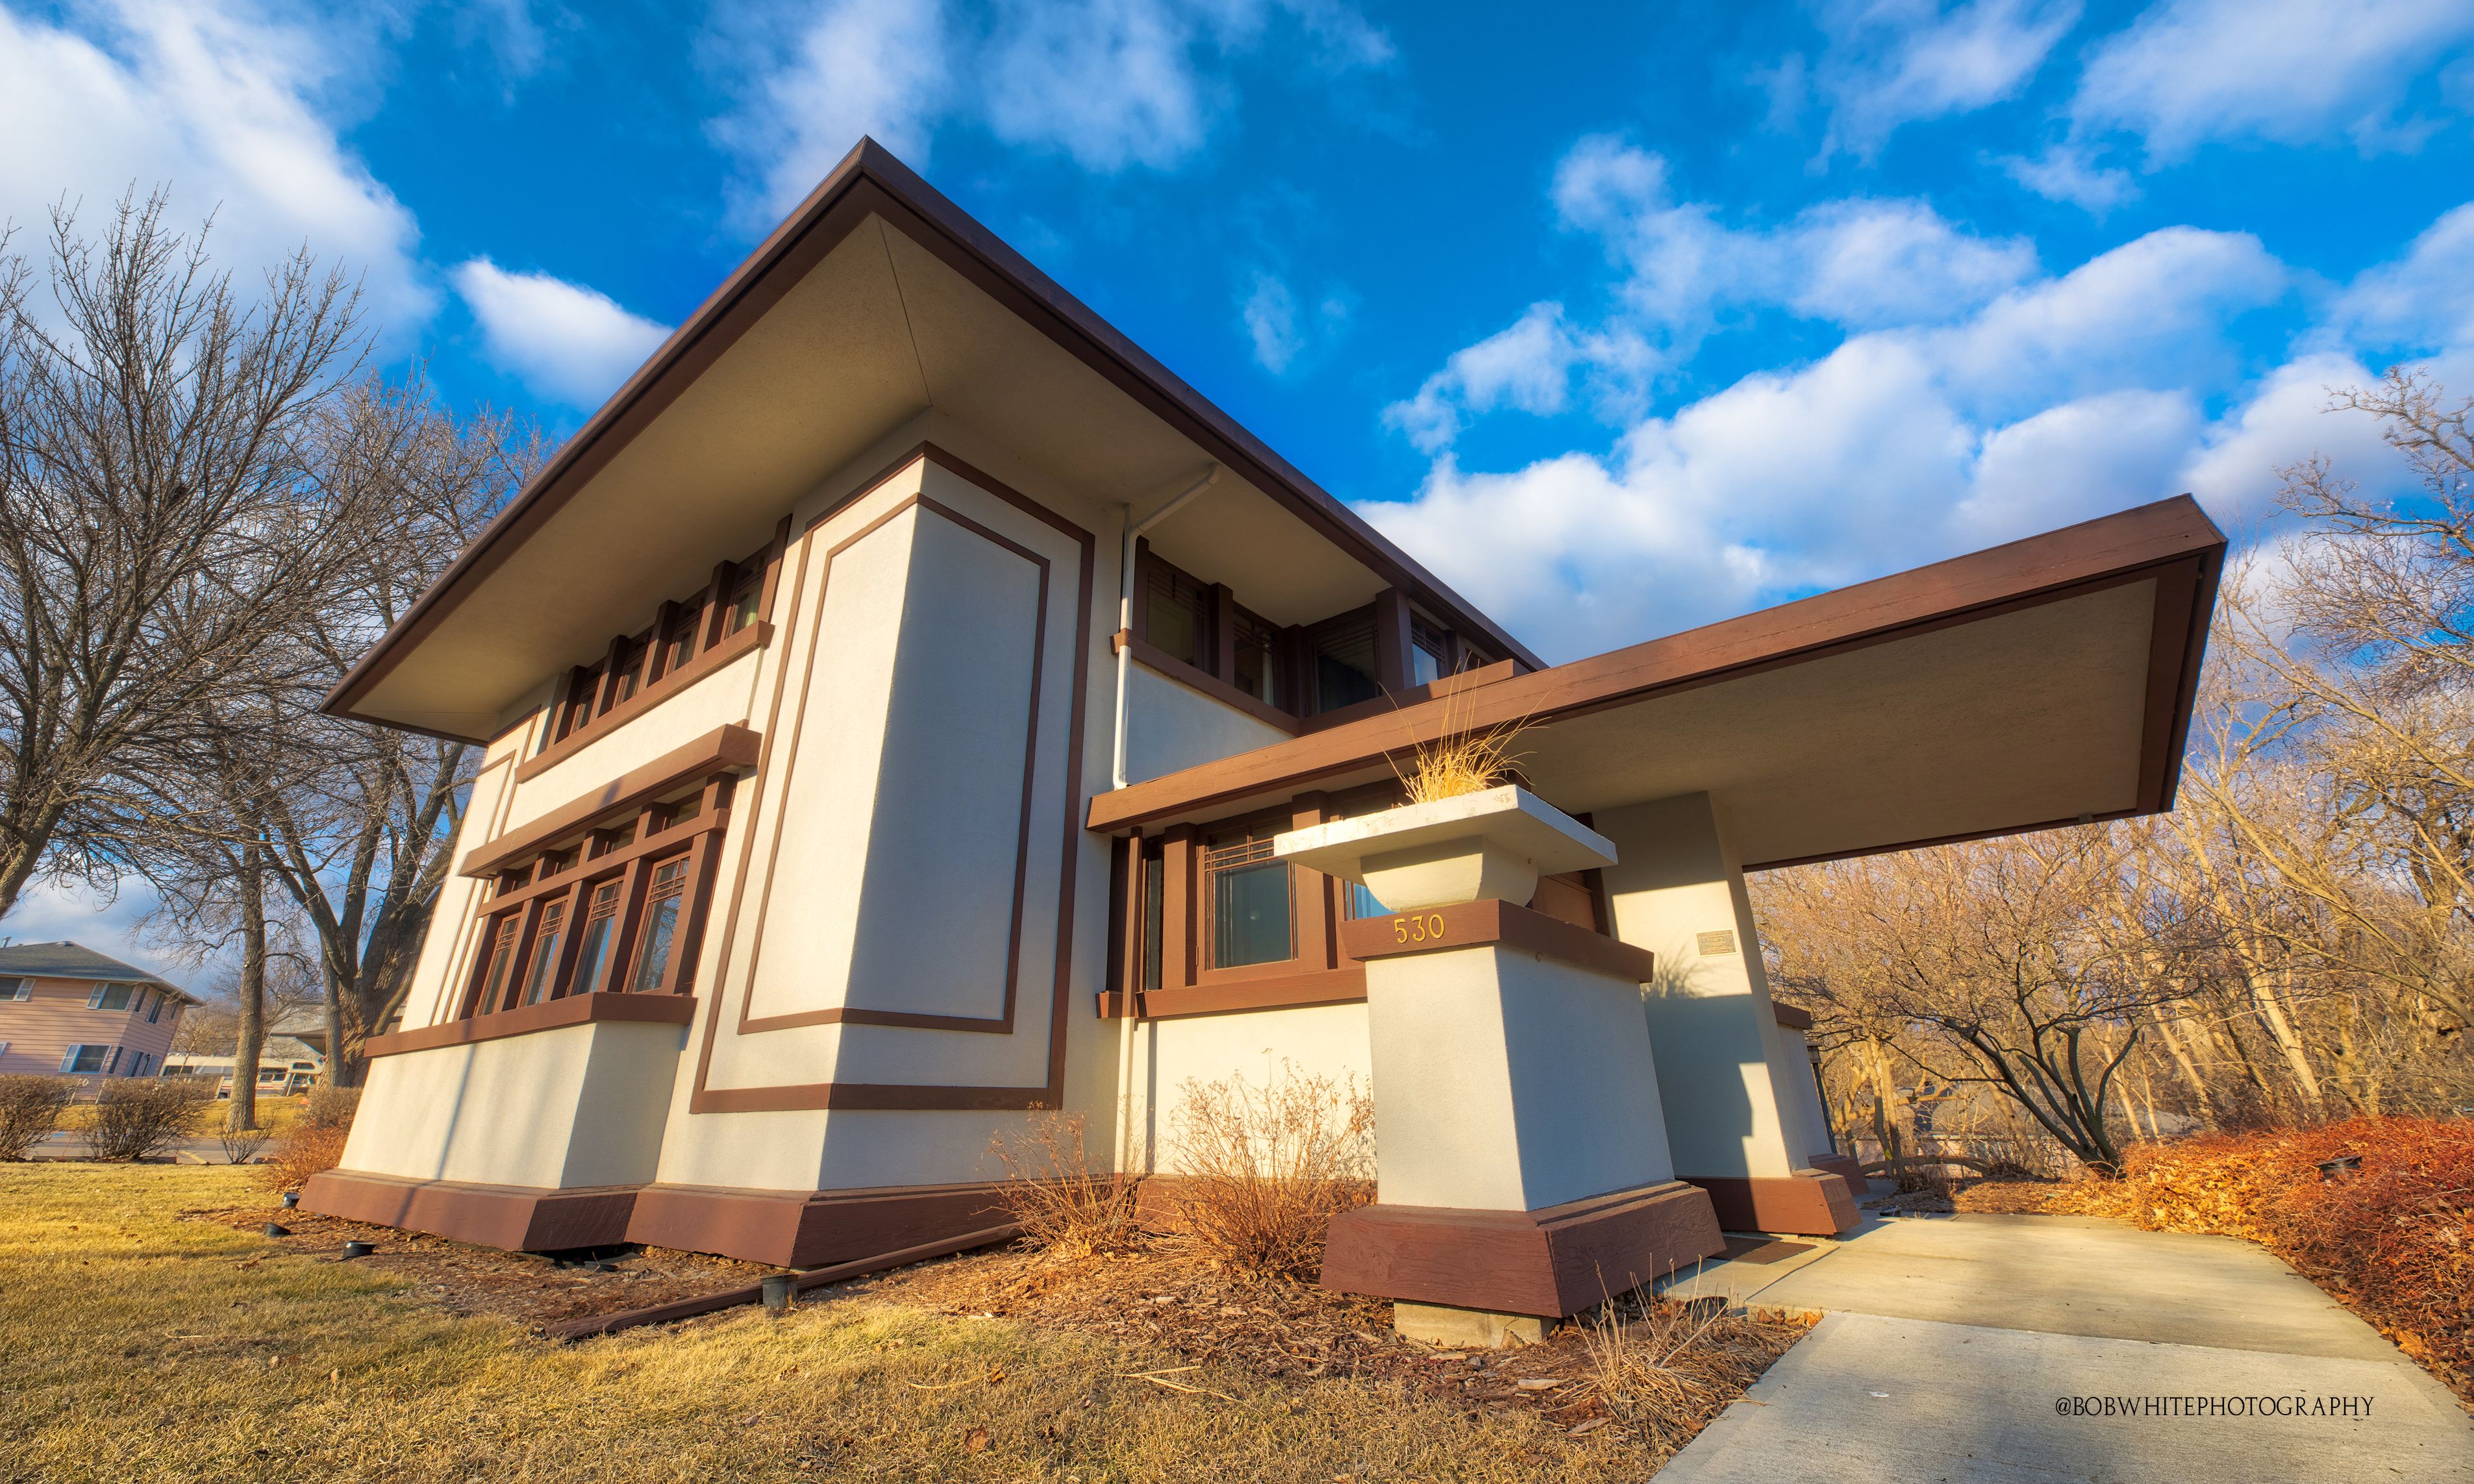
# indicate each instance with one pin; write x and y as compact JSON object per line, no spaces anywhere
{"x":2173,"y":539}
{"x":870,"y":179}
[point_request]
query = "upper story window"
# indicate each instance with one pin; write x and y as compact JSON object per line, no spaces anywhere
{"x":16,"y":988}
{"x":113,"y":996}
{"x":1180,"y":611}
{"x":681,"y":629}
{"x":1343,"y":654}
{"x":1258,"y":660}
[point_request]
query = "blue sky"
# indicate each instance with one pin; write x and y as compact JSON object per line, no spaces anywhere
{"x":1621,"y":321}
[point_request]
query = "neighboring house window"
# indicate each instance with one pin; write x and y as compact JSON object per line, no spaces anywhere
{"x":661,"y":926}
{"x":16,"y":988}
{"x":1248,"y":898}
{"x":140,"y":1063}
{"x":155,"y":1008}
{"x":82,"y":1059}
{"x":111,"y":996}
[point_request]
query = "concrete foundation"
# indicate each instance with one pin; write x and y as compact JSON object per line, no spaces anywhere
{"x":1466,"y":1329}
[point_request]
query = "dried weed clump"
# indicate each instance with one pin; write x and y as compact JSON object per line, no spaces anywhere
{"x":313,"y":1144}
{"x":1663,"y":1371}
{"x":1050,"y":1188}
{"x":1262,"y":1169}
{"x":2393,"y":1239}
{"x":29,"y":1110}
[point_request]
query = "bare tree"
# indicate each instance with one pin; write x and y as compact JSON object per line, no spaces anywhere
{"x":157,"y":523}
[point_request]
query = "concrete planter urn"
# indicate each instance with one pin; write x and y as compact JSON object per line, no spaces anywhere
{"x":1521,"y":1164}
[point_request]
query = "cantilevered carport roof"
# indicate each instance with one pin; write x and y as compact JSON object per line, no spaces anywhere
{"x":876,"y":302}
{"x":2043,"y":683}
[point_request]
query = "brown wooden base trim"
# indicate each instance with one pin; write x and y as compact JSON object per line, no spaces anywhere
{"x":1809,"y":1203}
{"x":1470,"y":925}
{"x":517,"y":1218}
{"x":804,"y":1228}
{"x":1847,"y":1167}
{"x":1290,"y":992}
{"x":548,"y":1015}
{"x":1551,"y":1262}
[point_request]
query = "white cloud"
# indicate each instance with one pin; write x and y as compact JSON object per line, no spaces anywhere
{"x":566,"y":342}
{"x":2053,"y":401}
{"x":874,"y":67}
{"x":61,"y":911}
{"x":2068,"y":172}
{"x":2291,"y":71}
{"x":1890,"y":63}
{"x":1113,"y":85}
{"x":1285,"y":334}
{"x":1858,"y":264}
{"x":223,"y":106}
{"x":2425,"y":300}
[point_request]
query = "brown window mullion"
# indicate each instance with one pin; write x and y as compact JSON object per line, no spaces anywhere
{"x":773,"y":558}
{"x":571,"y":933}
{"x":631,"y":924}
{"x":525,"y":936}
{"x":717,"y":605}
{"x":1310,"y":893}
{"x":657,"y":652}
{"x":703,"y":857}
{"x":1177,"y":909}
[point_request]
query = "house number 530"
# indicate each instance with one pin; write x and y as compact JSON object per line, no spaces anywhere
{"x":1418,"y":929}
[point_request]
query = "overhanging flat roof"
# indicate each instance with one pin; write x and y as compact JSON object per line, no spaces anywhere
{"x":2043,"y":683}
{"x":876,"y":302}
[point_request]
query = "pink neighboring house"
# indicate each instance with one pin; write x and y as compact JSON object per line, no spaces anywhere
{"x":69,"y":1010}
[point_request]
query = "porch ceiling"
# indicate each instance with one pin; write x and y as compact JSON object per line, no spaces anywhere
{"x":2029,"y":685}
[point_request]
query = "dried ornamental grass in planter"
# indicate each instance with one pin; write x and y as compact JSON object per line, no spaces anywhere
{"x":1051,"y":1190}
{"x":29,"y":1110}
{"x":1463,"y":761}
{"x":135,"y":1117}
{"x":315,"y":1144}
{"x":1261,"y":1170}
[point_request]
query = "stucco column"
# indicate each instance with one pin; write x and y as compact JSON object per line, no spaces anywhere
{"x":1742,"y":1116}
{"x":1522,"y":1172}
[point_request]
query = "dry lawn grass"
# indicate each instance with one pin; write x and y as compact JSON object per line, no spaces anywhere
{"x":139,"y":1345}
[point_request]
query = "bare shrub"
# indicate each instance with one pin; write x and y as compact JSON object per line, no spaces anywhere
{"x":303,"y":1150}
{"x":135,"y":1116}
{"x":1051,"y":1188}
{"x":242,"y":1143}
{"x":330,"y":1108}
{"x":1262,"y":1169}
{"x":29,"y":1110}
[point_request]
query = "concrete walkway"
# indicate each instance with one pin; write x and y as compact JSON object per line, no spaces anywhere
{"x":1993,"y":1348}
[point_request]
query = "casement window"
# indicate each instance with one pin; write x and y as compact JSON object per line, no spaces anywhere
{"x":619,"y":911}
{"x":1179,"y":616}
{"x":1246,"y":897}
{"x":83,"y":1061}
{"x":1212,"y":921}
{"x":16,"y":988}
{"x":1341,"y":659}
{"x":155,"y":1003}
{"x":140,"y":1064}
{"x":1430,"y":652}
{"x":1256,"y":658}
{"x":637,"y":663}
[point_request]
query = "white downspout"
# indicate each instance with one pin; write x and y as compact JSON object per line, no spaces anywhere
{"x":1126,"y":599}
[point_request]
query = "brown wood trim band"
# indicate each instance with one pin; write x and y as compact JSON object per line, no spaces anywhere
{"x":1471,"y":925}
{"x":804,"y":1228}
{"x":1150,"y":656}
{"x":754,"y":636}
{"x":1809,"y":1203}
{"x":1794,"y":1018}
{"x":512,"y":1218}
{"x":2134,"y":545}
{"x":548,"y":1016}
{"x":601,"y":866}
{"x":1551,"y":1262}
{"x":730,"y":747}
{"x":1341,"y":986}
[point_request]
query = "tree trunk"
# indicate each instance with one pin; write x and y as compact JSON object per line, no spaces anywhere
{"x":252,"y":987}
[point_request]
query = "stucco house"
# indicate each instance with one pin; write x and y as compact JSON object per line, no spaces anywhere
{"x":907,"y":707}
{"x":66,"y":1011}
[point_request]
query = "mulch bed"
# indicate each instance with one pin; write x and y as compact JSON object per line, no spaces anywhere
{"x":525,"y":1287}
{"x":1165,"y":1297}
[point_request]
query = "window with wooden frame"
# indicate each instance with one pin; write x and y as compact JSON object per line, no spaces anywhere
{"x":1178,"y":615}
{"x":1255,"y":655}
{"x":619,"y":910}
{"x":1214,"y":921}
{"x":664,"y":654}
{"x":1342,"y":659}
